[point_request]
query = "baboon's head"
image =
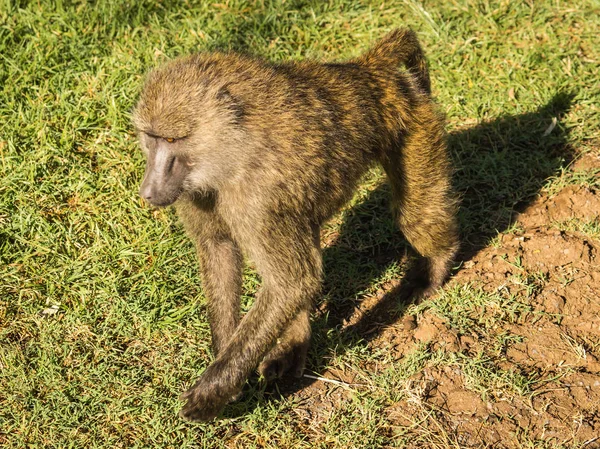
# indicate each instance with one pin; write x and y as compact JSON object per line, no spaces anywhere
{"x":187,"y":123}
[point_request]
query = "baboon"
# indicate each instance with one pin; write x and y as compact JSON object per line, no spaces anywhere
{"x":257,"y":155}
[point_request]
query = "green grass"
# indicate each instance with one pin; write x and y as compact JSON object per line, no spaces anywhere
{"x":131,"y":331}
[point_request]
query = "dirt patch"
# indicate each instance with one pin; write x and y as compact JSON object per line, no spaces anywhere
{"x":543,"y":381}
{"x":557,"y":341}
{"x":571,"y":202}
{"x":587,"y":162}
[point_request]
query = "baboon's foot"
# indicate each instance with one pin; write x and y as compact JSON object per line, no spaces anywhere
{"x":434,"y":272}
{"x":421,"y":293}
{"x":284,"y":358}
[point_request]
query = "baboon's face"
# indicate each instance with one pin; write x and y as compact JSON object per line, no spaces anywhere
{"x":188,"y":129}
{"x":166,"y":169}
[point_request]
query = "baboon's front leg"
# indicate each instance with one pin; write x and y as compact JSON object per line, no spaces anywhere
{"x":289,"y":352}
{"x":221,"y":268}
{"x":221,"y":264}
{"x":291,"y":273}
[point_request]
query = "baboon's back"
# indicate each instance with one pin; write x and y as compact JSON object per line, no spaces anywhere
{"x":312,"y":129}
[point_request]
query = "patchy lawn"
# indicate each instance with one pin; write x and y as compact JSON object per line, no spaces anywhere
{"x":102,"y":317}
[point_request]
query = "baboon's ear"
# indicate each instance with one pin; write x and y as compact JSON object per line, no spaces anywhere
{"x":232,"y":103}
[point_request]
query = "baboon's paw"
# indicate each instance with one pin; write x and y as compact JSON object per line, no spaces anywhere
{"x":200,"y":406}
{"x":206,"y":399}
{"x":284,"y":359}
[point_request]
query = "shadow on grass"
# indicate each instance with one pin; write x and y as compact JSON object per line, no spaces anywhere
{"x":501,"y":166}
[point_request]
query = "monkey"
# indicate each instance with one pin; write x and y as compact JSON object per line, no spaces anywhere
{"x":256,"y":156}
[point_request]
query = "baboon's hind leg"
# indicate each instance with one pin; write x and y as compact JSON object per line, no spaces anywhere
{"x":422,"y":197}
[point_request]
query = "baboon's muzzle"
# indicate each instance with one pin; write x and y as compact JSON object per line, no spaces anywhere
{"x":163,"y":180}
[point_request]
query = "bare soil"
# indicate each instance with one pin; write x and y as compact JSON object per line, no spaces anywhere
{"x":556,"y":342}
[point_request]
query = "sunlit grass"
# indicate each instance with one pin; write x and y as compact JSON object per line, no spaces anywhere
{"x":129,"y":330}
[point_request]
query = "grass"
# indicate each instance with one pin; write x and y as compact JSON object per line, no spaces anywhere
{"x":590,"y":228}
{"x":130,"y":331}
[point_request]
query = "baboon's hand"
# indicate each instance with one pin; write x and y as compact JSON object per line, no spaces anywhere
{"x":207,"y":397}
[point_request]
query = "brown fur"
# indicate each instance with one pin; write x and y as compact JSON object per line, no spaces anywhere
{"x":274,"y":150}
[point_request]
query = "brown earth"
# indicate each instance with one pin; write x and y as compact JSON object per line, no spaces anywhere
{"x":556,"y":341}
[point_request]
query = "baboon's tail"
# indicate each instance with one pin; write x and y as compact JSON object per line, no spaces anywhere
{"x":401,"y":46}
